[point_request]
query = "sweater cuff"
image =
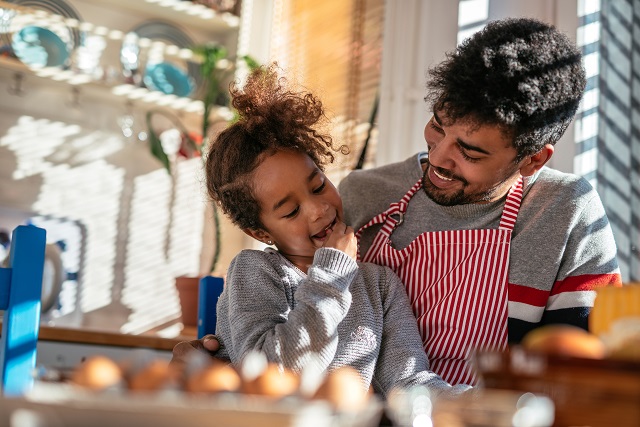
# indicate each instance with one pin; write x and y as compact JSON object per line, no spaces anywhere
{"x":336,"y":263}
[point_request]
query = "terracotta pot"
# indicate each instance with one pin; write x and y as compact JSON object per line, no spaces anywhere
{"x":188,"y":292}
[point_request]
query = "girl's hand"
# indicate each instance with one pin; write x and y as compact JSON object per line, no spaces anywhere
{"x":343,"y":238}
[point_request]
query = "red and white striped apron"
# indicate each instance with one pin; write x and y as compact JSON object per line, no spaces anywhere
{"x":456,"y":281}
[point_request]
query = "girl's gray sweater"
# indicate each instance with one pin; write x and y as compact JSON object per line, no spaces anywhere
{"x":342,"y":311}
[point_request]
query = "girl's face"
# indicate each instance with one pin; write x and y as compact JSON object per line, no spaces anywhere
{"x":298,"y":205}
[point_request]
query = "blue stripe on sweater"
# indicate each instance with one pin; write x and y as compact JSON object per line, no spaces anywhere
{"x":577,"y":316}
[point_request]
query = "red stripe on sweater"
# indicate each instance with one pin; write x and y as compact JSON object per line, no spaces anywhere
{"x":586,"y":282}
{"x":527,"y":295}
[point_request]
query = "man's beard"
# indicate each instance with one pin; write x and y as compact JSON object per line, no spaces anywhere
{"x":459,"y":197}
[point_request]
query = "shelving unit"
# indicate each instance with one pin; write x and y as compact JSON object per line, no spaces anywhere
{"x":107,"y":88}
{"x":183,"y":12}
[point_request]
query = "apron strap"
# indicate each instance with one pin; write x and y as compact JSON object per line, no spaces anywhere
{"x":394,"y":215}
{"x":387,"y":217}
{"x":511,"y":207}
{"x":391,"y":218}
{"x":397,"y":209}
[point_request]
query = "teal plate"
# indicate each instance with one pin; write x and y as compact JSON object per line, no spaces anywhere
{"x":168,"y":78}
{"x":40,"y":47}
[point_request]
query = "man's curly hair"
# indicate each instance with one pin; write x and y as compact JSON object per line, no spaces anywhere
{"x":272,"y":117}
{"x":520,"y":74}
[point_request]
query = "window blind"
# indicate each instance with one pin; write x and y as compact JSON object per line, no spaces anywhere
{"x":334,"y":49}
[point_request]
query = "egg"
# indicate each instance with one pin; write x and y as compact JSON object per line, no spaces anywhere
{"x":156,"y":375}
{"x":273,"y":382}
{"x":218,"y":377}
{"x":343,"y":388}
{"x":97,"y":373}
{"x":565,"y":340}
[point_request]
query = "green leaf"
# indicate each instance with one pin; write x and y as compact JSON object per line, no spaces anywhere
{"x":156,"y":146}
{"x":252,"y":64}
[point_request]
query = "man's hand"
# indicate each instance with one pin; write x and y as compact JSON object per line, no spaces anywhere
{"x":208,"y":345}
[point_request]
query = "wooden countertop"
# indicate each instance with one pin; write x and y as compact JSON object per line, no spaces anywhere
{"x":97,"y":337}
{"x":85,"y":336}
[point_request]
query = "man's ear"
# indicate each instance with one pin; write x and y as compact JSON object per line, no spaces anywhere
{"x":535,"y":162}
{"x":260,"y":235}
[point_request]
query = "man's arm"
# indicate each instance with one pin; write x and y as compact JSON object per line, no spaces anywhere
{"x":586,"y":260}
{"x":207,"y":345}
{"x":589,"y":262}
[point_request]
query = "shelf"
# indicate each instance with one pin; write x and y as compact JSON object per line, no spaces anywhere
{"x":179,"y":11}
{"x":115,"y":87}
{"x":183,"y":12}
{"x":110,"y":91}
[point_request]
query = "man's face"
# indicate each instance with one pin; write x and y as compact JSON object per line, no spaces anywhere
{"x":468,"y":163}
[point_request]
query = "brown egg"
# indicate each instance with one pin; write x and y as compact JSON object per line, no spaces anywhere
{"x":217,"y":377}
{"x":157,"y":374}
{"x":273,"y":383}
{"x":565,"y":340}
{"x":97,"y":373}
{"x":343,"y":389}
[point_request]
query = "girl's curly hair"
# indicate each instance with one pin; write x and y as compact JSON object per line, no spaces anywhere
{"x":520,"y":74}
{"x":272,"y":117}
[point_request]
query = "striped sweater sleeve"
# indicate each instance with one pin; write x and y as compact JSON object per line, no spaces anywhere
{"x":588,"y":262}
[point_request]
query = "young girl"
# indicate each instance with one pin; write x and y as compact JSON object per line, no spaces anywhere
{"x":308,"y":295}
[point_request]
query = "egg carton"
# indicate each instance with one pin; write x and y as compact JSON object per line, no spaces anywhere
{"x":65,"y":405}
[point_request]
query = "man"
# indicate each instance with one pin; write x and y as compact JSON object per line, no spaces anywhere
{"x":489,"y":243}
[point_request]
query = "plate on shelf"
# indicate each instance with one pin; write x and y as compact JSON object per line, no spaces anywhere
{"x":167,"y":78}
{"x":40,"y":47}
{"x":12,"y":24}
{"x":168,"y":74}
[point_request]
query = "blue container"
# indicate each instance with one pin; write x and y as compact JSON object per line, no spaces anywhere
{"x":209,"y":291}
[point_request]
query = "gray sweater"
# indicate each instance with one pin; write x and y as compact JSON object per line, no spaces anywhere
{"x":344,"y":312}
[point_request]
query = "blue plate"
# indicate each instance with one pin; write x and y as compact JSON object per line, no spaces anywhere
{"x":9,"y":25}
{"x":40,"y":47}
{"x":168,"y":78}
{"x":158,"y":30}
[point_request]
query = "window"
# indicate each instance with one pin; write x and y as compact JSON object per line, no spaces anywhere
{"x":334,"y":49}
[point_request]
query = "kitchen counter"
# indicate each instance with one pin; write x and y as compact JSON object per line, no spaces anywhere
{"x":96,"y":337}
{"x":64,"y":348}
